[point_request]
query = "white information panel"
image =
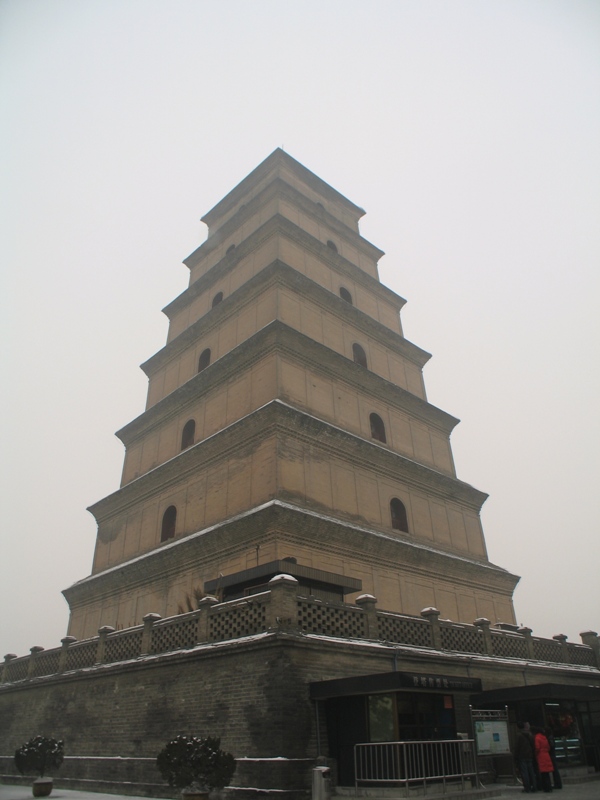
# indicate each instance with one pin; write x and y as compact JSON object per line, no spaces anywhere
{"x":492,"y":737}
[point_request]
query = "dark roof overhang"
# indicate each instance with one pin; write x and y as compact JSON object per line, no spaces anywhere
{"x":264,"y":573}
{"x":391,"y":682}
{"x":540,"y":691}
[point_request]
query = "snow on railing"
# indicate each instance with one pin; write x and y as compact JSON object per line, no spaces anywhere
{"x":282,"y":609}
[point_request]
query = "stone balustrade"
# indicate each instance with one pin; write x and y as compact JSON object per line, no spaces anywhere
{"x":282,"y":608}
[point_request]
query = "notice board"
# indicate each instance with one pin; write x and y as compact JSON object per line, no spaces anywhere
{"x":491,"y":737}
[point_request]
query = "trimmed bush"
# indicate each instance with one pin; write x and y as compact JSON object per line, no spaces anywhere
{"x":193,"y":760}
{"x":39,"y":754}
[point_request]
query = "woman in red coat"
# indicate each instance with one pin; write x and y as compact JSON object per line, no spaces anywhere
{"x":542,"y":757}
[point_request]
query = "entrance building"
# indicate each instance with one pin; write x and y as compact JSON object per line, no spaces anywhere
{"x":391,"y":707}
{"x":571,"y":713}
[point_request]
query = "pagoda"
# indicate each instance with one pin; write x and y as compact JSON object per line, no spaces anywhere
{"x":287,"y":421}
{"x":290,"y":563}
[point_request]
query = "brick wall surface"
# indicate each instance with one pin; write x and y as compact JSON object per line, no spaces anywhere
{"x":251,"y":692}
{"x":253,"y":696}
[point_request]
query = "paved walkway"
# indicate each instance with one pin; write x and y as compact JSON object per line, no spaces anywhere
{"x":576,"y":791}
{"x":24,"y":793}
{"x":590,"y":790}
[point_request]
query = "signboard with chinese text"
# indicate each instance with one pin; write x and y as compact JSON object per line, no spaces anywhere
{"x":447,"y":682}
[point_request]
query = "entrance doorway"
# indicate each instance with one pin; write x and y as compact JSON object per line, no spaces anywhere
{"x":410,"y":716}
{"x":385,"y":717}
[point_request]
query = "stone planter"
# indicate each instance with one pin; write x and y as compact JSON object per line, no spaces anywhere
{"x":41,"y":787}
{"x":194,"y":794}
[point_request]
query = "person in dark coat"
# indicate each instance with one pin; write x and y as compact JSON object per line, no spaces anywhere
{"x":556,"y":779}
{"x":524,"y":755}
{"x":542,"y":757}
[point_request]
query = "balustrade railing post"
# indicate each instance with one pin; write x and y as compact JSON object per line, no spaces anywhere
{"x":7,"y":659}
{"x":204,"y":607}
{"x":31,"y":666}
{"x":592,"y":640}
{"x":561,"y":638}
{"x":484,"y":626}
{"x":433,"y":616}
{"x":368,"y":603}
{"x":101,"y":647}
{"x":65,"y":643}
{"x":527,"y":633}
{"x":282,"y":611}
{"x":149,"y":620}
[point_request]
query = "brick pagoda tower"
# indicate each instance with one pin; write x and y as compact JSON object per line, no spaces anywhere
{"x":289,"y":467}
{"x":287,"y":419}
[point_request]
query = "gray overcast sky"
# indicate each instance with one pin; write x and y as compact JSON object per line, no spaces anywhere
{"x":470,"y":133}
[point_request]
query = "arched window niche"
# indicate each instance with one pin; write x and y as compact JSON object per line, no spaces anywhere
{"x":204,"y":359}
{"x":217,"y":299}
{"x":169,"y":521}
{"x":359,"y":355}
{"x":332,"y":245}
{"x":345,"y":295}
{"x":188,"y":434}
{"x":377,"y":428}
{"x":398,"y":515}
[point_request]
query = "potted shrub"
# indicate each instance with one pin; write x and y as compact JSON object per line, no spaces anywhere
{"x":36,"y":756}
{"x":196,"y":765}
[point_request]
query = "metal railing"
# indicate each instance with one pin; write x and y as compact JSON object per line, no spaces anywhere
{"x":416,"y":763}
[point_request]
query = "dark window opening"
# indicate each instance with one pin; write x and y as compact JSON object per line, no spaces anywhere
{"x":188,"y":433}
{"x":377,"y":428}
{"x":332,"y":245}
{"x":217,"y":299}
{"x":345,"y":295}
{"x":398,"y":514}
{"x":230,"y":249}
{"x":425,"y":716}
{"x":359,"y":355}
{"x":168,"y":524}
{"x":204,"y":359}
